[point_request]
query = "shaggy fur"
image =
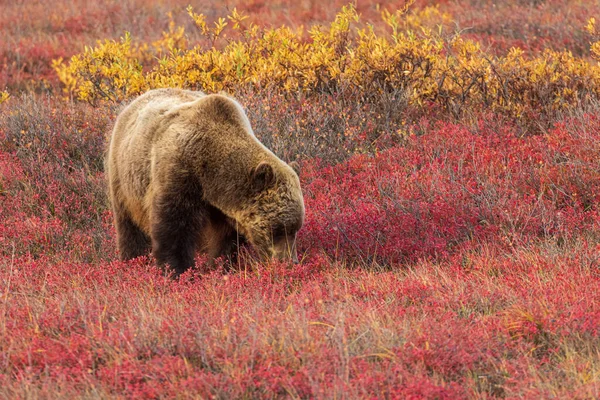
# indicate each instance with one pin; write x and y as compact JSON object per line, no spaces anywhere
{"x":186,"y":174}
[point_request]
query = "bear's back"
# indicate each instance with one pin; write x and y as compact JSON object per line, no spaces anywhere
{"x":149,"y":108}
{"x":130,"y":148}
{"x":138,"y":124}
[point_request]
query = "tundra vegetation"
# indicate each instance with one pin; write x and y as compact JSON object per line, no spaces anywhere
{"x":450,"y":157}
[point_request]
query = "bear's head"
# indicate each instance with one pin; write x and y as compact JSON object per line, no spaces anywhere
{"x":276,"y":211}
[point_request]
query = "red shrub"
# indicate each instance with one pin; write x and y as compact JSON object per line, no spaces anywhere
{"x":455,"y":189}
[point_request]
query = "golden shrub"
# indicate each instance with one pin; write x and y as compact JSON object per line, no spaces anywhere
{"x":4,"y":96}
{"x":415,"y":56}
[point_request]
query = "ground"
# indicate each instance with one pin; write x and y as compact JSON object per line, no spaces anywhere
{"x":444,"y":255}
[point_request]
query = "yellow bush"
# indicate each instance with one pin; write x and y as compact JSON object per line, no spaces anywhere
{"x":414,"y":56}
{"x":111,"y":70}
{"x":595,"y":48}
{"x":4,"y":96}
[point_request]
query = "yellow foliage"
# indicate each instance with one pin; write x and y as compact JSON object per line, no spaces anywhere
{"x":199,"y":20}
{"x":111,"y":70}
{"x":414,"y":57}
{"x":171,"y":41}
{"x":595,"y":47}
{"x":4,"y":96}
{"x":236,"y":18}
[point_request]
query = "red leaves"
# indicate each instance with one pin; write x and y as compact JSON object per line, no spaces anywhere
{"x":459,"y":264}
{"x":453,"y":189}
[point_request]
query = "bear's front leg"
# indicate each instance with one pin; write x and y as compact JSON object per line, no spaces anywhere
{"x":218,"y":237}
{"x":176,"y":224}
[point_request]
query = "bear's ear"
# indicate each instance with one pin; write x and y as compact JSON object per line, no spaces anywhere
{"x":296,"y":167}
{"x":263,"y":177}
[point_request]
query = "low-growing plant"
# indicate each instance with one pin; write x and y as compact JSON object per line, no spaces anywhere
{"x":423,"y":67}
{"x":439,"y":258}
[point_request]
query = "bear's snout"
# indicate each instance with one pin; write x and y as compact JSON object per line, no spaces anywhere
{"x":285,"y":250}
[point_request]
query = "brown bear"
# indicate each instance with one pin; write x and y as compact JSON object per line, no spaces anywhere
{"x":186,"y":173}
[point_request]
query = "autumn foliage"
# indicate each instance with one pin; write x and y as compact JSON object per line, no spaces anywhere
{"x":415,"y":61}
{"x":452,"y":241}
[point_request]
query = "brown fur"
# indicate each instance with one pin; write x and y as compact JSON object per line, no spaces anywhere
{"x":187,"y":174}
